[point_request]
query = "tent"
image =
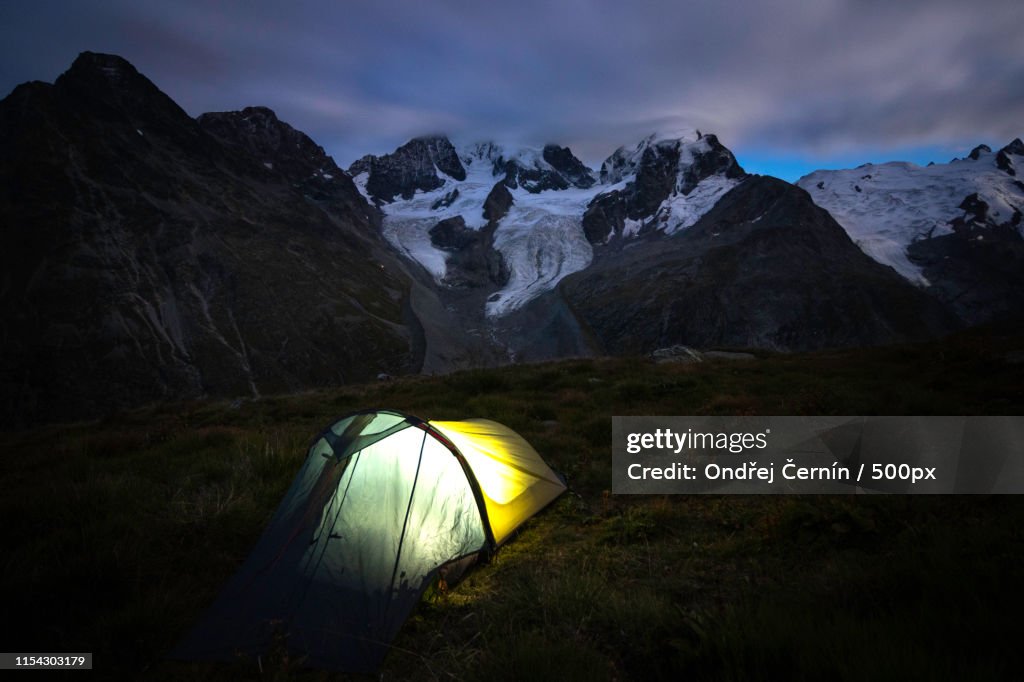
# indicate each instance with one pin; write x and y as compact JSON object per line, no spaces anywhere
{"x":383,"y":503}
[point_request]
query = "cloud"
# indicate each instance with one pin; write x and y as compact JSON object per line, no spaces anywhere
{"x":815,"y":78}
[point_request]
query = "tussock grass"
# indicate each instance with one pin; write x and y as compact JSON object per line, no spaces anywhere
{"x":118,"y":533}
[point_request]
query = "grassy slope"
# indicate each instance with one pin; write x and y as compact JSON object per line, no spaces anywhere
{"x":119,"y":533}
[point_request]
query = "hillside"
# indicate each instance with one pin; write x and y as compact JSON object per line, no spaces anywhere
{"x":153,"y":510}
{"x":763,"y":268}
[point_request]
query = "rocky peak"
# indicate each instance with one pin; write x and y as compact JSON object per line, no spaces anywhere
{"x":978,"y":151}
{"x":176,"y":264}
{"x":623,"y":162}
{"x":1015,"y":147}
{"x":703,"y":153}
{"x":552,"y":168}
{"x":712,"y":159}
{"x":411,"y":167}
{"x":441,"y":151}
{"x":261,"y":133}
{"x":107,"y":88}
{"x":571,"y":168}
{"x":280,"y":149}
{"x":1004,"y":160}
{"x":104,"y":118}
{"x":361,"y":165}
{"x":108,"y":70}
{"x":656,"y":170}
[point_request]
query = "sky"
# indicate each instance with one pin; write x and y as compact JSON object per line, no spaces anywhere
{"x":789,"y":85}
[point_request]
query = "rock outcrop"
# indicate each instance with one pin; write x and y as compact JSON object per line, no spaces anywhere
{"x":413,"y":166}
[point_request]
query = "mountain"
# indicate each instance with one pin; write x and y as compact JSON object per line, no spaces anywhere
{"x":671,"y":242}
{"x":551,"y":208}
{"x":763,"y":268}
{"x":290,"y":154}
{"x":148,"y":255}
{"x":953,"y":228}
{"x":669,"y":183}
{"x":412,"y":167}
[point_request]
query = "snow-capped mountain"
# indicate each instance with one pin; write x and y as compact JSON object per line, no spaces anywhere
{"x":174,"y":257}
{"x":764,"y":268}
{"x":665,"y":183}
{"x":553,"y":209}
{"x":953,"y":228}
{"x":887,"y":207}
{"x":670,"y":242}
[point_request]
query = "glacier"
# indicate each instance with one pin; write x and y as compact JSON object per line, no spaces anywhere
{"x":541,"y":238}
{"x":886,"y":207}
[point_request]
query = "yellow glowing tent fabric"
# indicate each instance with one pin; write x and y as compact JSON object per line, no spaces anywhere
{"x":384,"y":504}
{"x":516,"y":483}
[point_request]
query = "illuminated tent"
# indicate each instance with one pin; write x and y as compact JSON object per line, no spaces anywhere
{"x":383,"y":503}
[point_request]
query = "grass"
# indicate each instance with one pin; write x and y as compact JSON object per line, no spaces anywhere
{"x":120,"y":532}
